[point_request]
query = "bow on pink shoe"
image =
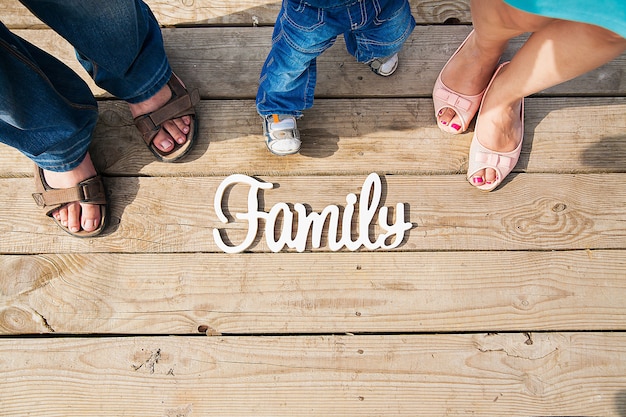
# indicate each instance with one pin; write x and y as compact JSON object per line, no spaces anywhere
{"x":481,"y":158}
{"x":463,"y":105}
{"x":501,"y":161}
{"x":448,"y":98}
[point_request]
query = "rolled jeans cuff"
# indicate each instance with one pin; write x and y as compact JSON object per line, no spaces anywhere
{"x":63,"y":158}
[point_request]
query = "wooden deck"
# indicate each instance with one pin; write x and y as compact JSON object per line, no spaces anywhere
{"x":511,"y":303}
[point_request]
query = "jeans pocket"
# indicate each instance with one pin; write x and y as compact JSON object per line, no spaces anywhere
{"x":388,"y":10}
{"x":302,"y":16}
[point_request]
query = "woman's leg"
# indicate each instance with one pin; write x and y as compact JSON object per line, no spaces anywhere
{"x":469,"y":72}
{"x":557,"y":52}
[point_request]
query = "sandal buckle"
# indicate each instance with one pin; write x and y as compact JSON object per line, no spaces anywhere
{"x":39,"y":199}
{"x":91,"y":190}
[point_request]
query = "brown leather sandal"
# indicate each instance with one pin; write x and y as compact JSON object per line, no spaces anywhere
{"x":181,"y":104}
{"x":89,"y":191}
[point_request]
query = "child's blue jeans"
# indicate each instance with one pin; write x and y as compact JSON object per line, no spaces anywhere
{"x":46,"y":110}
{"x":371,"y":28}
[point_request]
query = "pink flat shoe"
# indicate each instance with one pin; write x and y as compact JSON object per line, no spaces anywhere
{"x":482,"y":158}
{"x":463,"y":105}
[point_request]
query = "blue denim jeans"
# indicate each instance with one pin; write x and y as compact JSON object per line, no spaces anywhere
{"x":371,"y":29}
{"x":46,"y":110}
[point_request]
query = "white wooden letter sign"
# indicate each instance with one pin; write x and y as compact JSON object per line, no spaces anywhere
{"x":369,"y":202}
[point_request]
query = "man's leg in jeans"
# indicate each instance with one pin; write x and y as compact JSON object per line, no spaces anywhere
{"x":48,"y":113}
{"x":119,"y":43}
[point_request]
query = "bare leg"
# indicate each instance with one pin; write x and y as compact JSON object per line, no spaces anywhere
{"x":473,"y":66}
{"x":557,"y":52}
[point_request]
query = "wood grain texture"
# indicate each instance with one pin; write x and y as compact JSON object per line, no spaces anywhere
{"x":403,"y":375}
{"x":225,"y":62}
{"x":350,"y":136}
{"x":402,"y":292}
{"x":165,"y":215}
{"x":502,"y":304}
{"x":240,"y":12}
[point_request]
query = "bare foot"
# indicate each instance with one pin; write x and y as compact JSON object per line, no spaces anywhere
{"x":75,"y":216}
{"x":173,"y":130}
{"x":468,"y":73}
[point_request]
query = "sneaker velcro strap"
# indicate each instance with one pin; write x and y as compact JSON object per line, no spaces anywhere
{"x":375,"y":64}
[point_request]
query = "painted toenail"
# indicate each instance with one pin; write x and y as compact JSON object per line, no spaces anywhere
{"x":455,"y":126}
{"x":443,"y":122}
{"x":477,"y":180}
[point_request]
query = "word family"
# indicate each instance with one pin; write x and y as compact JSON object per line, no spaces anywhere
{"x":313,"y":223}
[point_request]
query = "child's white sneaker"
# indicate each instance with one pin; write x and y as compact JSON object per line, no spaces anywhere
{"x":281,"y":134}
{"x":384,"y":67}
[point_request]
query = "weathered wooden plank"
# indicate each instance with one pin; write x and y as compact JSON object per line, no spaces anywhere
{"x":201,"y":54}
{"x":226,"y":62}
{"x":422,"y":375}
{"x":343,"y":137}
{"x":516,"y":260}
{"x":240,"y":12}
{"x":312,"y":292}
{"x":536,"y":212}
